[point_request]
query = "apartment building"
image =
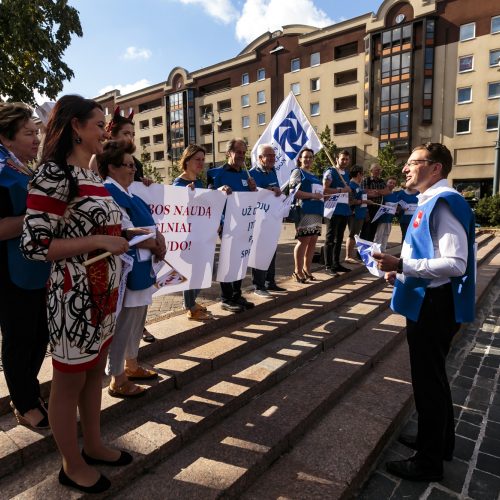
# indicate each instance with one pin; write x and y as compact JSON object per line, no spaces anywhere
{"x":414,"y":71}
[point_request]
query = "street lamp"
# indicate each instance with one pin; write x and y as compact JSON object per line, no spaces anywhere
{"x":206,"y":116}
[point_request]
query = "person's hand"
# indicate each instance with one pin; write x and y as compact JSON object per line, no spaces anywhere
{"x":368,"y":202}
{"x":276,"y":190}
{"x":252,"y":185}
{"x":225,"y":189}
{"x":317,"y":196}
{"x":346,"y":189}
{"x":147,"y":181}
{"x":390,"y":277}
{"x":116,"y":245}
{"x":191,"y":186}
{"x":386,"y":262}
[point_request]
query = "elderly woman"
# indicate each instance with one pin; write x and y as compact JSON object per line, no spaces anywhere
{"x":310,"y":196}
{"x":192,"y":161}
{"x":70,"y":219}
{"x":23,"y":315}
{"x":117,"y":168}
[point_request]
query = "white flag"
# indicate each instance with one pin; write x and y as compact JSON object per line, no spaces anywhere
{"x":288,"y":133}
{"x":390,"y":208}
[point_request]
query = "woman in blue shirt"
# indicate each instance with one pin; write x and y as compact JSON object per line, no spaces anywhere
{"x":192,"y":162}
{"x":310,"y":194}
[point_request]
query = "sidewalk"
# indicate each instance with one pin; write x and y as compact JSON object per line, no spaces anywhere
{"x":171,"y":304}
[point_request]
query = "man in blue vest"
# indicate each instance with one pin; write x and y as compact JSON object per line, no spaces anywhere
{"x":233,"y":176}
{"x":434,"y":287}
{"x":265,"y":177}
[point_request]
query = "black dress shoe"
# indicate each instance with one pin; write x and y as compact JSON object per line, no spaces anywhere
{"x":413,"y":470}
{"x":273,"y":287}
{"x":124,"y":459}
{"x":410,"y":441}
{"x":245,"y":303}
{"x":340,"y":269}
{"x":102,"y":484}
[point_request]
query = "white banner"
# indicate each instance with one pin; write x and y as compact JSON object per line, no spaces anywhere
{"x":267,"y":230}
{"x":331,"y":203}
{"x":237,"y":235}
{"x":288,"y":133}
{"x":388,"y":208}
{"x":189,"y":220}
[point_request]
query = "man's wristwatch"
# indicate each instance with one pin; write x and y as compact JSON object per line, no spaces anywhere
{"x":399,"y":269}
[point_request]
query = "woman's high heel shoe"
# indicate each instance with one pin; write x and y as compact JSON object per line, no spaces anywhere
{"x":298,"y":278}
{"x":310,"y":277}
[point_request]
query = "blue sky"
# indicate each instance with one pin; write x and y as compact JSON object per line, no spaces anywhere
{"x":130,"y":44}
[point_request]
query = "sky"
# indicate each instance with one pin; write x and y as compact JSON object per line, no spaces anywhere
{"x":130,"y":44}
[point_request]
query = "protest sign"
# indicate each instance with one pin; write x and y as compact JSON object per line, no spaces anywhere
{"x":331,"y":203}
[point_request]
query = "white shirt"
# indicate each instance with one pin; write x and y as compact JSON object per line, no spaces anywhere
{"x":449,"y":240}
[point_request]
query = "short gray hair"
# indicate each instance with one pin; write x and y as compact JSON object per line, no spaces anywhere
{"x":262,"y":147}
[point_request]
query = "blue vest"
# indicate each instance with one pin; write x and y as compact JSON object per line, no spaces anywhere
{"x":24,"y":273}
{"x":359,"y":211}
{"x":224,"y":176}
{"x":336,"y":182}
{"x":263,"y":179}
{"x":310,"y":206}
{"x":391,"y":198}
{"x":141,"y":276}
{"x":408,"y":297}
{"x":408,"y":198}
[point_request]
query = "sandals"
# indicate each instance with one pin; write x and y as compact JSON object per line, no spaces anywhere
{"x":140,"y":373}
{"x":310,"y":277}
{"x":298,"y":278}
{"x":126,"y":390}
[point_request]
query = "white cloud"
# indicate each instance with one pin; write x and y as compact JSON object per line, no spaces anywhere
{"x":259,"y":16}
{"x":132,"y":53}
{"x":222,"y":10}
{"x":127,"y":88}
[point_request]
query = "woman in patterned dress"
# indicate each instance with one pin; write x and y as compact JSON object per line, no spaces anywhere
{"x":71,"y":218}
{"x":310,"y":194}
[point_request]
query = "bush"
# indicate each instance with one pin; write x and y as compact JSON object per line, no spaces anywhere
{"x":488,"y":211}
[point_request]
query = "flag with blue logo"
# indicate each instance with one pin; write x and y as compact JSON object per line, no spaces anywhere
{"x":288,"y":133}
{"x":390,"y":208}
{"x":366,"y":249}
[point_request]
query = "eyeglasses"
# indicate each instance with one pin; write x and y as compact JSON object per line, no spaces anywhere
{"x":412,"y":163}
{"x":129,"y":165}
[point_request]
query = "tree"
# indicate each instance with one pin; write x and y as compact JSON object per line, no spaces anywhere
{"x":35,"y":34}
{"x":388,"y":161}
{"x":147,"y":167}
{"x":321,"y":160}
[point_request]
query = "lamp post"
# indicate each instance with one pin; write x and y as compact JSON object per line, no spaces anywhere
{"x":206,"y":116}
{"x":496,"y":171}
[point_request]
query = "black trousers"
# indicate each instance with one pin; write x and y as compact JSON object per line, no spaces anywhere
{"x":370,"y":228}
{"x":230,"y":291}
{"x":429,"y":341}
{"x":25,"y":335}
{"x":262,"y":278}
{"x":335,"y":228}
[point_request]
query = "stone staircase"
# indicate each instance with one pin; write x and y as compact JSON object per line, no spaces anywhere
{"x":318,"y":376}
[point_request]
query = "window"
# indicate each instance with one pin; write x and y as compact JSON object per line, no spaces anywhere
{"x":314,"y":108}
{"x":158,"y":155}
{"x":429,"y":58}
{"x":315,"y":59}
{"x":347,"y":50}
{"x":396,"y":65}
{"x":224,"y":105}
{"x":491,"y":122}
{"x":344,"y":128}
{"x":144,"y":124}
{"x":466,"y":63}
{"x":261,"y":74}
{"x":494,"y":57}
{"x":467,"y":31}
{"x":493,"y":90}
{"x":314,"y":84}
{"x":245,"y":121}
{"x":158,"y":138}
{"x":394,"y":123}
{"x":463,"y":126}
{"x":261,"y":118}
{"x":245,"y":100}
{"x":427,"y":89}
{"x":464,"y":95}
{"x":145,"y":141}
{"x":245,"y":79}
{"x":295,"y":65}
{"x":345,"y":77}
{"x":261,"y":97}
{"x":157,"y":121}
{"x":295,"y":88}
{"x":345,"y":103}
{"x":495,"y":25}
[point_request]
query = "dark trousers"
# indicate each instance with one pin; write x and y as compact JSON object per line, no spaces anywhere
{"x":230,"y":291}
{"x":335,"y":228}
{"x":404,"y":229}
{"x":262,"y":278}
{"x":25,"y":335}
{"x":429,"y":341}
{"x":370,"y":228}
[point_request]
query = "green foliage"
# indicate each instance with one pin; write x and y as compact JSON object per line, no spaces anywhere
{"x":488,"y":211}
{"x":35,"y":34}
{"x":147,"y":167}
{"x":389,"y":164}
{"x":321,"y":160}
